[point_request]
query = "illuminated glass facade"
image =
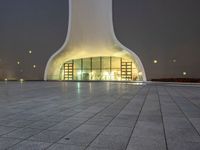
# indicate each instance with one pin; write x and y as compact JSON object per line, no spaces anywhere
{"x":99,"y":68}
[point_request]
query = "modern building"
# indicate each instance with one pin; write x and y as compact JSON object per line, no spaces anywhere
{"x":91,"y":50}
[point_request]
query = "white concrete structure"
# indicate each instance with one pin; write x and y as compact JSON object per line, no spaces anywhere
{"x":90,"y":44}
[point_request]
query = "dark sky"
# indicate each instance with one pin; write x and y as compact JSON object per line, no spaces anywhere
{"x":153,"y":29}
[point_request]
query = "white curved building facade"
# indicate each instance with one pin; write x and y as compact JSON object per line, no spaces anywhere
{"x":91,"y":50}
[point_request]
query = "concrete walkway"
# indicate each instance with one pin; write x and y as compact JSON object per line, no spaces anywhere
{"x":99,"y":116}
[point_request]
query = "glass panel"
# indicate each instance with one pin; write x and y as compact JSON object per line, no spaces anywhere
{"x":115,"y":74}
{"x":106,"y":75}
{"x":105,"y":62}
{"x":86,"y":75}
{"x":96,"y":63}
{"x":77,"y":75}
{"x":96,"y":74}
{"x":116,"y":62}
{"x":135,"y":74}
{"x":77,"y":64}
{"x":86,"y":63}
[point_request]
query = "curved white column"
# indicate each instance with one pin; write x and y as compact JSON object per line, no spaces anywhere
{"x":90,"y":34}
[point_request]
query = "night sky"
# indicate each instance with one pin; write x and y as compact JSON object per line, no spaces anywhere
{"x":167,"y":31}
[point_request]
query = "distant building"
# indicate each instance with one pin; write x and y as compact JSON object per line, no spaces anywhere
{"x":91,"y":50}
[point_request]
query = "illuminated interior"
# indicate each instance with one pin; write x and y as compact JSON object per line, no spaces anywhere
{"x":99,"y":68}
{"x":91,"y":50}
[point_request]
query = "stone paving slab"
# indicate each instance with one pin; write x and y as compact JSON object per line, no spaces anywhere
{"x":99,"y":116}
{"x":7,"y":142}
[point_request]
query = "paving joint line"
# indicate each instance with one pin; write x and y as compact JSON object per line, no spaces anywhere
{"x":132,"y":131}
{"x":163,"y":125}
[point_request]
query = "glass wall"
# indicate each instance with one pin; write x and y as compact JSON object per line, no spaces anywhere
{"x":101,"y":68}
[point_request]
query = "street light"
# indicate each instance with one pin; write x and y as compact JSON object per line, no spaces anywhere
{"x":34,"y":66}
{"x":184,"y":73}
{"x":155,"y":61}
{"x":174,"y":60}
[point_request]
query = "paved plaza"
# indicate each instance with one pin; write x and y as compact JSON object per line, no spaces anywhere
{"x":99,"y":116}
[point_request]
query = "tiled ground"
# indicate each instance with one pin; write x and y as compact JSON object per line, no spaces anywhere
{"x":99,"y":116}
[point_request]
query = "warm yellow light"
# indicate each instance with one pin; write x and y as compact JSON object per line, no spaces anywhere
{"x":184,"y":73}
{"x":18,"y":62}
{"x":21,"y":80}
{"x":112,"y":77}
{"x":5,"y":79}
{"x":106,"y":73}
{"x":34,"y":66}
{"x":140,"y":73}
{"x":79,"y":73}
{"x":155,"y":61}
{"x":30,"y":52}
{"x":139,"y":83}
